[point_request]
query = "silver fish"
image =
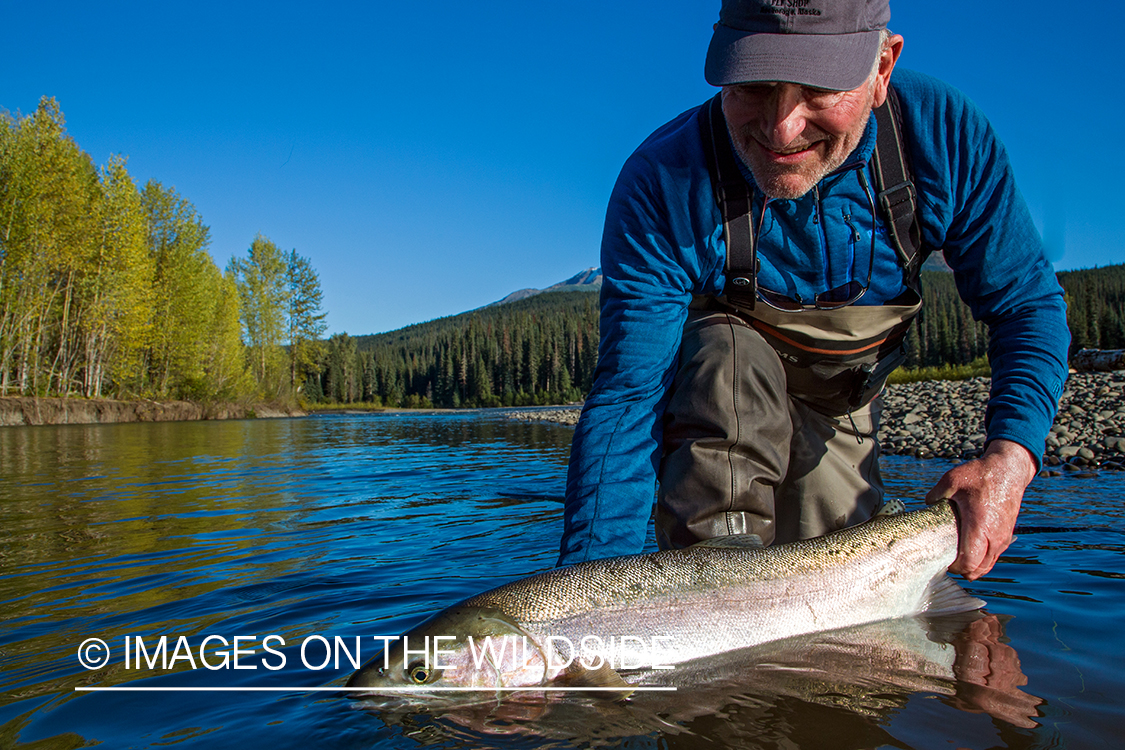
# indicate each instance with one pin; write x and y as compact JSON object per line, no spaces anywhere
{"x":588,"y":624}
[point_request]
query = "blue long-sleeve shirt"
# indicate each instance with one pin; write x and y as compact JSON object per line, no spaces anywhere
{"x":663,"y":243}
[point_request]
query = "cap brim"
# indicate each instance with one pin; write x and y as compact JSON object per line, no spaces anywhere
{"x":840,"y":62}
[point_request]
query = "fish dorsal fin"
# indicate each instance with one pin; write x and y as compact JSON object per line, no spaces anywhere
{"x":945,"y":597}
{"x":734,"y":541}
{"x":892,"y":507}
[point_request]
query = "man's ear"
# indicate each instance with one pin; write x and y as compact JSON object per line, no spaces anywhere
{"x":887,"y":59}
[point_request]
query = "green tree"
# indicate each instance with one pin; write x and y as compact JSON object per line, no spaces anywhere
{"x":305,"y":321}
{"x":226,"y":376}
{"x":115,"y":289}
{"x":186,"y":286}
{"x":342,"y":381}
{"x":263,"y":291}
{"x":49,"y":225}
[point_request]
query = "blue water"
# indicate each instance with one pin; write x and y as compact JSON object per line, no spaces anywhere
{"x":361,"y":525}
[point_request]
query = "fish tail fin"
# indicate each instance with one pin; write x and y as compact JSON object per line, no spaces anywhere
{"x":944,"y":597}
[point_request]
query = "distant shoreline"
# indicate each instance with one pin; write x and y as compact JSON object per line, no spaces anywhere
{"x":28,"y":411}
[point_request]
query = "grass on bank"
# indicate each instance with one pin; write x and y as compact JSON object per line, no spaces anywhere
{"x":977,"y":368}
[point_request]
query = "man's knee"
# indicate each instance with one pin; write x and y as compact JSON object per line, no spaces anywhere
{"x":833,"y":478}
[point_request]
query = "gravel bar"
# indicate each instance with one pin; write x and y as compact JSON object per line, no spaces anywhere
{"x":945,"y":419}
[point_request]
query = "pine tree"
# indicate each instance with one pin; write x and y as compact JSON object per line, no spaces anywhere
{"x":305,"y":320}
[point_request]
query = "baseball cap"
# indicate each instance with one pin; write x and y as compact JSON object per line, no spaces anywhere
{"x":829,"y":44}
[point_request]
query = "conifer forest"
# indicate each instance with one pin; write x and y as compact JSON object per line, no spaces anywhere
{"x":543,"y":349}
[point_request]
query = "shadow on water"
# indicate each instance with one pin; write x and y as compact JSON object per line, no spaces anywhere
{"x":360,"y":525}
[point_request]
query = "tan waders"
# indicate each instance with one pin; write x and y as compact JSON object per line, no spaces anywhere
{"x":758,"y":438}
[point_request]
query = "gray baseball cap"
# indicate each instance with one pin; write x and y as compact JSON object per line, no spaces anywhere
{"x":829,"y":44}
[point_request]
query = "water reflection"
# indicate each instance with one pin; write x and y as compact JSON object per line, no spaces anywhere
{"x":842,"y":685}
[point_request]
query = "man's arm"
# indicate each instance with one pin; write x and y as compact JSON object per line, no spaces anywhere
{"x":975,"y":213}
{"x":658,"y":248}
{"x":616,"y":449}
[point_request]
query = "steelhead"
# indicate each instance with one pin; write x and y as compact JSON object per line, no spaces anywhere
{"x":587,"y":624}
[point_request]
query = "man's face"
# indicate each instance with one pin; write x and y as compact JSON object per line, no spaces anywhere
{"x":792,"y":136}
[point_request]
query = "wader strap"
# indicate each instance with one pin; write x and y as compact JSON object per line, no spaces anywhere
{"x":732,"y":194}
{"x":897,"y":196}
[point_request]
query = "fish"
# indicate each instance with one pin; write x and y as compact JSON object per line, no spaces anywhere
{"x":593,"y":624}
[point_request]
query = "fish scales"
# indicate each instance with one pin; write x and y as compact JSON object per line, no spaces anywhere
{"x":623,"y":581}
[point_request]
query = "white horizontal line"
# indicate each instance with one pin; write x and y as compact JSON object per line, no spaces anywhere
{"x":543,"y":689}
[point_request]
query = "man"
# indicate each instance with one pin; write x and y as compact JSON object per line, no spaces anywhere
{"x":750,"y":389}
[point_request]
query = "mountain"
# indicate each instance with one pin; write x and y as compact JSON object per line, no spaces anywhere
{"x":589,"y":280}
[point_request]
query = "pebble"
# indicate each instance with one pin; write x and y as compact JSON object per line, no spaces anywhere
{"x":561,"y":416}
{"x":945,"y":418}
{"x":1088,"y":433}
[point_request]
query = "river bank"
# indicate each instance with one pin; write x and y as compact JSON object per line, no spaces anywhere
{"x":945,"y":419}
{"x":24,"y":410}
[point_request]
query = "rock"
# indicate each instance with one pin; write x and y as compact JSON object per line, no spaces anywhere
{"x":560,"y":416}
{"x":1095,"y":359}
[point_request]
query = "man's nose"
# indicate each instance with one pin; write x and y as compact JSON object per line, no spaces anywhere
{"x":783,"y":116}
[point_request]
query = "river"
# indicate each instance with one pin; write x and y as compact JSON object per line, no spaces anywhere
{"x":320,"y":531}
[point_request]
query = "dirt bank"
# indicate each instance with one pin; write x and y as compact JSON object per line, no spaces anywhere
{"x":22,"y":410}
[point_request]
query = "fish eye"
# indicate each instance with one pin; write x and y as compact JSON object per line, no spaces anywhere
{"x":418,"y":673}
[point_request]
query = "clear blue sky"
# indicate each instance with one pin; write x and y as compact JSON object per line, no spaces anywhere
{"x":432,"y":157}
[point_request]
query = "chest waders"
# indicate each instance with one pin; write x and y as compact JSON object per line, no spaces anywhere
{"x":771,"y":422}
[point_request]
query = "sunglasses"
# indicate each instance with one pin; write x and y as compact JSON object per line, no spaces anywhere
{"x":833,"y":299}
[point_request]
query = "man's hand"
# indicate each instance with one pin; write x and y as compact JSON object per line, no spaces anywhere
{"x":987,"y":492}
